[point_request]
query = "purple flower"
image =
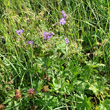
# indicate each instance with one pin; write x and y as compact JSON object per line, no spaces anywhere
{"x":47,"y":35}
{"x":63,"y":13}
{"x":62,"y":21}
{"x":66,"y":40}
{"x":19,"y":31}
{"x":35,"y":92}
{"x":30,"y":42}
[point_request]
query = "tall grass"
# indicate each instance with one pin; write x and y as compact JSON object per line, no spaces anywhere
{"x":73,"y":76}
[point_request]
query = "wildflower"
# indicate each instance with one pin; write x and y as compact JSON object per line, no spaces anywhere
{"x":19,"y":31}
{"x":31,"y":92}
{"x":62,"y":21}
{"x":45,"y":89}
{"x":35,"y":92}
{"x":30,"y":42}
{"x":66,"y":40}
{"x":63,"y":13}
{"x":47,"y":35}
{"x":18,"y":94}
{"x":2,"y":107}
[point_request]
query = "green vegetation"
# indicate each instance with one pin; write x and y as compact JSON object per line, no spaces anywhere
{"x":40,"y":73}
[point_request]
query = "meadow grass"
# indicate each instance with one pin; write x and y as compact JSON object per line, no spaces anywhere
{"x":66,"y":68}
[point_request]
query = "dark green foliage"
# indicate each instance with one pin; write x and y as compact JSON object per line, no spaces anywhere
{"x":75,"y":74}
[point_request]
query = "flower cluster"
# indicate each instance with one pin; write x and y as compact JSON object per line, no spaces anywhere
{"x":47,"y":35}
{"x":19,"y":32}
{"x":31,"y":92}
{"x":63,"y":20}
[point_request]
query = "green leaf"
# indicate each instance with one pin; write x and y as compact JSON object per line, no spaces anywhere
{"x":94,"y":64}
